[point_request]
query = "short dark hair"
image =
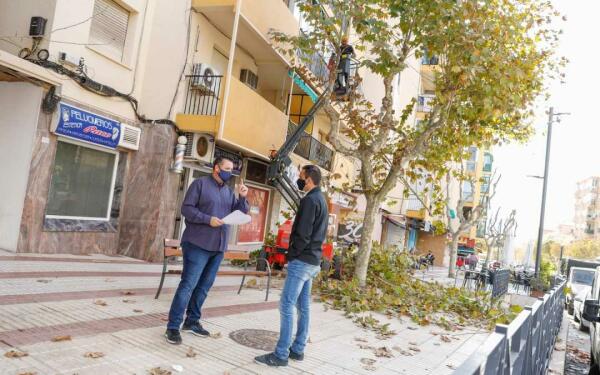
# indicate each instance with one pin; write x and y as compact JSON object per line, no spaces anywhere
{"x":313,"y":172}
{"x":219,"y":161}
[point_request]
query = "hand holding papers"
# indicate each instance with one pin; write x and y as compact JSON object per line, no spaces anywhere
{"x":237,"y":217}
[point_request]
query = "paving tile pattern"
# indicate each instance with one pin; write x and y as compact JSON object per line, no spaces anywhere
{"x":129,"y":329}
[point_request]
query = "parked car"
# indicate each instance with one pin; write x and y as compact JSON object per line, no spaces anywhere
{"x":578,"y":303}
{"x":579,"y":279}
{"x":591,"y":313}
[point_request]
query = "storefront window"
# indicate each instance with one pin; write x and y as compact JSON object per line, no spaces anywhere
{"x":82,"y":182}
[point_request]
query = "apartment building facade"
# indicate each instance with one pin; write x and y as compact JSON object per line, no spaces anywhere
{"x":92,"y":172}
{"x":587,"y":209}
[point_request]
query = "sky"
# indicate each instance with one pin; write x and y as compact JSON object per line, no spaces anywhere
{"x":575,"y":149}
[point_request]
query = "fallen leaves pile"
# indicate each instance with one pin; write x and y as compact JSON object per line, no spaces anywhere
{"x":393,"y":291}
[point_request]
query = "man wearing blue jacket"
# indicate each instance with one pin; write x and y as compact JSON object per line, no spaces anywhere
{"x":304,"y":263}
{"x":204,"y":241}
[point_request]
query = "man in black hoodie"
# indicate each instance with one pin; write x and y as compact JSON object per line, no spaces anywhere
{"x":304,"y":256}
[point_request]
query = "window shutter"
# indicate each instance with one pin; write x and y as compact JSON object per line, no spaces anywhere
{"x":109,"y":27}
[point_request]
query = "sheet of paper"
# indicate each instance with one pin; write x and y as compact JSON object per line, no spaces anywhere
{"x":237,"y":217}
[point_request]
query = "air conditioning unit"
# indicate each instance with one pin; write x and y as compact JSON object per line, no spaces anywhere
{"x":204,"y":78}
{"x":249,"y":78}
{"x":130,"y":137}
{"x":199,"y":147}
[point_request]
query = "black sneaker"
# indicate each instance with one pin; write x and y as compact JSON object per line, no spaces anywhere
{"x":270,"y":360}
{"x":195,"y":329}
{"x":173,"y":336}
{"x":296,"y":356}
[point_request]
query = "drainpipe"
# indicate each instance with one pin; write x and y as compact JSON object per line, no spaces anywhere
{"x":236,"y":21}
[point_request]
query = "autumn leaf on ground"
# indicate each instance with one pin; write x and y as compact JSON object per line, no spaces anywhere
{"x":402,"y":351}
{"x":368,"y":364}
{"x":412,"y":343}
{"x":100,"y":303}
{"x":138,"y":311}
{"x":127,"y":293}
{"x":384,"y":352}
{"x":159,"y":371}
{"x":366,"y":347}
{"x":191,"y":353}
{"x":412,"y":328}
{"x":451,"y":366}
{"x":128,"y":301}
{"x":61,"y":338}
{"x":360,"y":339}
{"x":15,"y":354}
{"x":445,"y":338}
{"x":28,"y":373}
{"x":414,"y":349}
{"x":94,"y":355}
{"x":367,"y":361}
{"x":216,"y":335}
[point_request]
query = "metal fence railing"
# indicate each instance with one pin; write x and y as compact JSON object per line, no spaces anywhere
{"x":311,"y":149}
{"x":202,"y":97}
{"x":525,"y":345}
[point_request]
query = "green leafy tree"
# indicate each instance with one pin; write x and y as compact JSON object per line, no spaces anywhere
{"x":584,"y":249}
{"x":494,"y":59}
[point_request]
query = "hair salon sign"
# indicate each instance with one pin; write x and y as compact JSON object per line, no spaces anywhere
{"x":89,"y":127}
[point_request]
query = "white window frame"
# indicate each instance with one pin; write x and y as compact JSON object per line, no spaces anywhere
{"x":112,"y":182}
{"x":133,"y":20}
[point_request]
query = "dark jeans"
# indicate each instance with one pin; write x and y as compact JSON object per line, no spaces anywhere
{"x":199,"y":271}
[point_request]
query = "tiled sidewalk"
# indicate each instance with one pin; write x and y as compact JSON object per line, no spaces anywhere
{"x":127,"y":327}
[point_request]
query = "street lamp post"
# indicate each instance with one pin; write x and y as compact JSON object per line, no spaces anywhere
{"x":552,"y":117}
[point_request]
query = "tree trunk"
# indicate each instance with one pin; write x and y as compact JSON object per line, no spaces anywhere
{"x":366,"y":242}
{"x":453,"y":255}
{"x":488,"y":255}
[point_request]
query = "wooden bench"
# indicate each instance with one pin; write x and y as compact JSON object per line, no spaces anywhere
{"x":172,"y":248}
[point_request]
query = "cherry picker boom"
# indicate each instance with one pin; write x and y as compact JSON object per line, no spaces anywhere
{"x":280,"y":161}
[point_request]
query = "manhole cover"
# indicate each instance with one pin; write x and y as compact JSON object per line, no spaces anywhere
{"x":256,"y":338}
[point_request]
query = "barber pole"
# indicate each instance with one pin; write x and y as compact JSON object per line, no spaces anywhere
{"x":179,"y":153}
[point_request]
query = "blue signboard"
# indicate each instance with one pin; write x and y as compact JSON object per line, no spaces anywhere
{"x":89,"y":127}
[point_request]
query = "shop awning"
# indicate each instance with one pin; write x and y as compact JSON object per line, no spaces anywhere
{"x":397,"y":220}
{"x":462,"y":250}
{"x":300,"y":83}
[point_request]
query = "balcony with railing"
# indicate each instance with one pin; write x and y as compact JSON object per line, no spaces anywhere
{"x":251,"y":122}
{"x":312,"y":150}
{"x":414,"y":208}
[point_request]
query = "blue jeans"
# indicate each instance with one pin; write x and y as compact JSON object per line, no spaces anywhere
{"x":199,"y":271}
{"x":296,"y":294}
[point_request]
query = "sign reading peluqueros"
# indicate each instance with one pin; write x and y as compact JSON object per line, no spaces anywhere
{"x":86,"y":126}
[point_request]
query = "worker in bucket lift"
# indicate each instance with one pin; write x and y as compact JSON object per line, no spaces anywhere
{"x":347,"y":52}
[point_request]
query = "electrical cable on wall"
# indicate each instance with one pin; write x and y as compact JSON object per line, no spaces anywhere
{"x":51,"y":100}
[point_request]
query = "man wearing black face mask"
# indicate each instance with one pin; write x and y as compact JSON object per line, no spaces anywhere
{"x":204,"y":240}
{"x":304,"y":256}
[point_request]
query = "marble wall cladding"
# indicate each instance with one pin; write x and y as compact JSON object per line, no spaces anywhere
{"x":150,"y":196}
{"x":144,"y":200}
{"x":32,"y":236}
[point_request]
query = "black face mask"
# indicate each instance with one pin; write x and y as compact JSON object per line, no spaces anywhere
{"x":301,"y":184}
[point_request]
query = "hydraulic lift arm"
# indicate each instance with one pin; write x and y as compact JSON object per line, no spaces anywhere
{"x":276,"y":171}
